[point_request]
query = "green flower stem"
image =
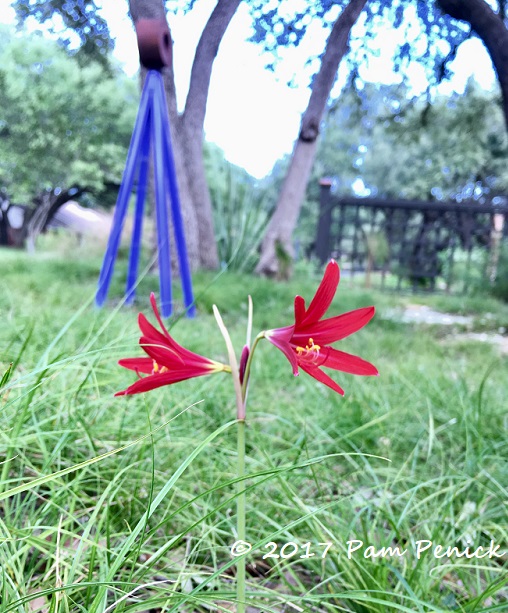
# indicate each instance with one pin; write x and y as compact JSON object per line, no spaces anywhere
{"x":241,"y":401}
{"x":240,"y":509}
{"x":240,"y":518}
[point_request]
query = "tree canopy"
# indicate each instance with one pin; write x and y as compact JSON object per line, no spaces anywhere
{"x":65,"y":17}
{"x":430,"y":36}
{"x":378,"y":142}
{"x":61,"y":124}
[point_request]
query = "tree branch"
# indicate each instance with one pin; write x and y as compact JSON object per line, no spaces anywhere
{"x":450,"y":56}
{"x":206,"y":51}
{"x":489,"y":26}
{"x":336,"y":48}
{"x":62,"y":198}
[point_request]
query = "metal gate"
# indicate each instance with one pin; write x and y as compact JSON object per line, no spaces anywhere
{"x":409,"y":243}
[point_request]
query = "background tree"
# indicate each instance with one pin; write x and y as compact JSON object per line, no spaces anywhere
{"x":277,"y":243}
{"x":379,"y":141}
{"x":64,"y":128}
{"x":453,"y":148}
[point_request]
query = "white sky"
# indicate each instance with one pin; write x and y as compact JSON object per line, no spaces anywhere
{"x":252,"y":114}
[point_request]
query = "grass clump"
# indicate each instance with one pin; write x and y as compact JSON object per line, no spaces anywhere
{"x":127,"y":504}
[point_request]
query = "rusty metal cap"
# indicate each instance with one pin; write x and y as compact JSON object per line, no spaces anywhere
{"x":154,"y":43}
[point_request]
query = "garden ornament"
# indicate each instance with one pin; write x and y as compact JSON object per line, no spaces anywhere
{"x":151,"y":135}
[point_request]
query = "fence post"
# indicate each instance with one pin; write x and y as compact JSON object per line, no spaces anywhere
{"x":325,"y":220}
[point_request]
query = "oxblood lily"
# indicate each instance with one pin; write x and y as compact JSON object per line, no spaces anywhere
{"x":168,"y":362}
{"x":306,"y":343}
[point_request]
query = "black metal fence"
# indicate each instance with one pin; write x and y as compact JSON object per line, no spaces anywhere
{"x":417,"y":244}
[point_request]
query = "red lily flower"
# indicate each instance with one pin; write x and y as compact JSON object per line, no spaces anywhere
{"x":168,"y":362}
{"x":306,"y":343}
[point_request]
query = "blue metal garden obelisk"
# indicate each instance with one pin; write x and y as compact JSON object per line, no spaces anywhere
{"x":151,"y":135}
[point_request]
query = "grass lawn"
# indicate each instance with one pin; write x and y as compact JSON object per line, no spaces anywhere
{"x":128,"y":504}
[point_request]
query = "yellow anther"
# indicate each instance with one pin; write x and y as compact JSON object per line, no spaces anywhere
{"x":311,"y":346}
{"x":156,"y":369}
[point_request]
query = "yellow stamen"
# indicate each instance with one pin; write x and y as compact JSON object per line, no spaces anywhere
{"x":308,"y":348}
{"x":156,"y":369}
{"x":311,"y":346}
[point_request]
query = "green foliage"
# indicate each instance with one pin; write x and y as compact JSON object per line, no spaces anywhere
{"x":415,"y":148}
{"x":450,"y":148}
{"x":78,"y":17}
{"x":378,"y":142}
{"x":61,"y":124}
{"x":240,"y":210}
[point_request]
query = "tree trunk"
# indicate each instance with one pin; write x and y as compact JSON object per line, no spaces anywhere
{"x":187,"y":129}
{"x":277,"y":250}
{"x":46,"y":206}
{"x":193,"y":119}
{"x":490,"y":27}
{"x":11,"y":234}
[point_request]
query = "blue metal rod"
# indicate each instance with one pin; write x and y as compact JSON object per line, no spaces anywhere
{"x":160,"y":108}
{"x":161,"y":206}
{"x":123,"y":197}
{"x":137,"y":230}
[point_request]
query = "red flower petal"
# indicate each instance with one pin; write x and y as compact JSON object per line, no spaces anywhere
{"x":346,"y":362}
{"x":322,"y":377}
{"x":299,"y":310}
{"x":324,"y":294}
{"x":168,"y":362}
{"x":150,"y":331}
{"x":162,"y":354}
{"x":307,"y":343}
{"x":159,"y":380}
{"x":280,"y":338}
{"x":142,"y":365}
{"x":153,"y":302}
{"x":154,"y":337}
{"x":335,"y":328}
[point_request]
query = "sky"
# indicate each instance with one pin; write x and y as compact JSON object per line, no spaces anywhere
{"x":253,"y":114}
